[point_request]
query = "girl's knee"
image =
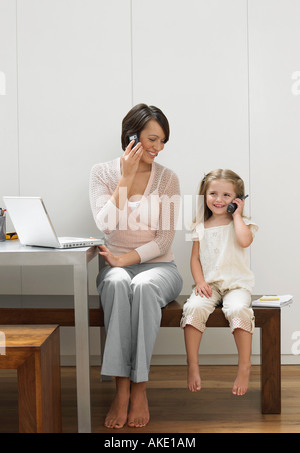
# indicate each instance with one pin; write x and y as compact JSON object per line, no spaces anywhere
{"x":196,"y":311}
{"x":237,"y":303}
{"x":240,"y":317}
{"x":198,"y":303}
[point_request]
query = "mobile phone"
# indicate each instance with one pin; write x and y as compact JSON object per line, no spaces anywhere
{"x":233,"y":206}
{"x":134,"y":137}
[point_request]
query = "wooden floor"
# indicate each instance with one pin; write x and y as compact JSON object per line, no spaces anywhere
{"x":173,"y":408}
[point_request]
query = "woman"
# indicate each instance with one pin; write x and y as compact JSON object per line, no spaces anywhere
{"x":135,"y":203}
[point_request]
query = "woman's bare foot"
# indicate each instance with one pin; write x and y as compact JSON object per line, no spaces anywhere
{"x":194,"y":380}
{"x":117,"y":414}
{"x":138,"y":415}
{"x":241,"y":382}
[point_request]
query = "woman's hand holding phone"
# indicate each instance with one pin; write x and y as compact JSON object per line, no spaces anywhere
{"x":131,"y":158}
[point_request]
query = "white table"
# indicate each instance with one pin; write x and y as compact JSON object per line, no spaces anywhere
{"x":12,"y":253}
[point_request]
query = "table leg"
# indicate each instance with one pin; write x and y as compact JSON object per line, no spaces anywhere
{"x":82,"y":347}
{"x":270,"y":365}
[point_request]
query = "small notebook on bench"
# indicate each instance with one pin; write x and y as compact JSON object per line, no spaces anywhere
{"x":273,"y":301}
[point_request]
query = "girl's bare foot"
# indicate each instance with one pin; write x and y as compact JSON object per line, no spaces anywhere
{"x":138,"y":415}
{"x":194,"y":380}
{"x":117,"y":414}
{"x":241,"y":382}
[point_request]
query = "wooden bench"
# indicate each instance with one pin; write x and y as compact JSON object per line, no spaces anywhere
{"x":33,"y":351}
{"x":267,"y":319}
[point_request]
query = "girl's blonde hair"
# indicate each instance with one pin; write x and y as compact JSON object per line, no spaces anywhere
{"x":227,"y":175}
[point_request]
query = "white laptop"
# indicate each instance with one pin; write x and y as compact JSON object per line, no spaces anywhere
{"x":33,"y":225}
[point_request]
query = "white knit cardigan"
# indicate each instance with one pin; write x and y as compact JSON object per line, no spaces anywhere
{"x":150,"y":228}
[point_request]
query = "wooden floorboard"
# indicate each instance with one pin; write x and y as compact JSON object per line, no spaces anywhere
{"x":173,"y":408}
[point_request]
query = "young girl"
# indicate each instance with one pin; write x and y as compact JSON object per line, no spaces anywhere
{"x":219,"y":265}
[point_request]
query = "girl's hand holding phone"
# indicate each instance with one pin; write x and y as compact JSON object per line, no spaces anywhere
{"x":240,"y":205}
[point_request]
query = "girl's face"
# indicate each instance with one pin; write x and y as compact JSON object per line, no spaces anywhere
{"x":152,"y":139}
{"x":218,"y":196}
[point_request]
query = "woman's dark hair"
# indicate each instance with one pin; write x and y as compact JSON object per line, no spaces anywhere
{"x":137,"y":118}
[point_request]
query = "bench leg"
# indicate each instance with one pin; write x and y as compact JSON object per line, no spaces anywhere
{"x":39,"y":389}
{"x":270,"y":365}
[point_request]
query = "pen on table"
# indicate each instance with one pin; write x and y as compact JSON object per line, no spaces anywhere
{"x":269,"y":298}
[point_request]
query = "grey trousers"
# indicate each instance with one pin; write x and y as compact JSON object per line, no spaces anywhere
{"x":132,"y":298}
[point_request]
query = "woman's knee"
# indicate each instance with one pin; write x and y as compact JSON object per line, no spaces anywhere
{"x":113,"y":277}
{"x":146,"y":295}
{"x":162,"y":280}
{"x":141,"y":283}
{"x":114,"y":290}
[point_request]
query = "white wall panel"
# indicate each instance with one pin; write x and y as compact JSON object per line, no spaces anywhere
{"x":73,"y":69}
{"x":10,"y":279}
{"x":74,"y":88}
{"x":190,"y":59}
{"x":275,"y":160}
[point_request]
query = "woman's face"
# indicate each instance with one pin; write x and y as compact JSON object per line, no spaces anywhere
{"x":152,"y":139}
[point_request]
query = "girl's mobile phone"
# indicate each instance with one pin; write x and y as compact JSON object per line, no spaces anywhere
{"x":233,"y":206}
{"x":134,"y":137}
